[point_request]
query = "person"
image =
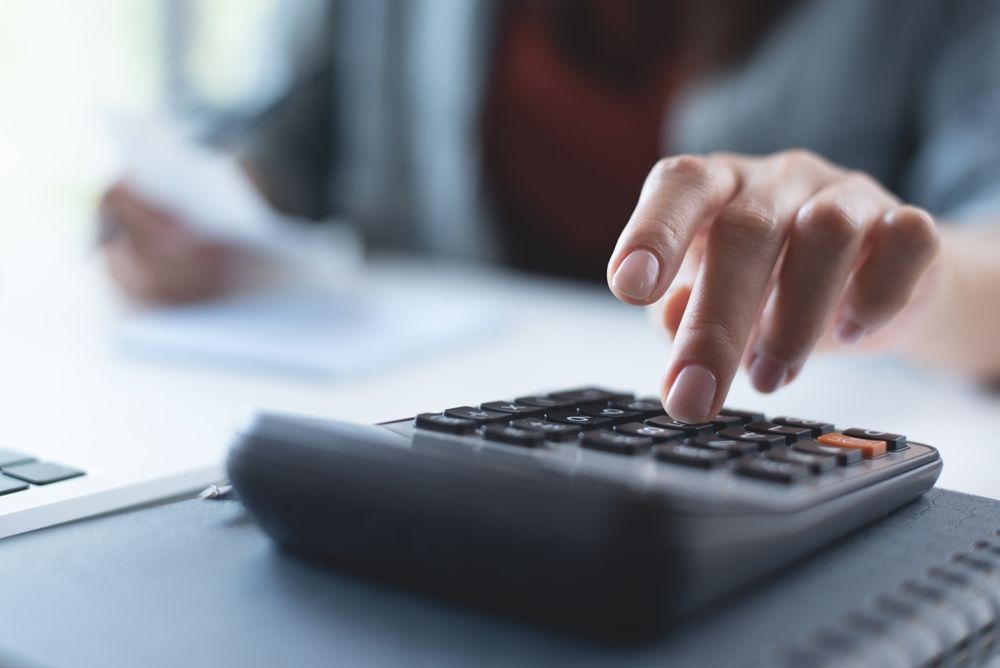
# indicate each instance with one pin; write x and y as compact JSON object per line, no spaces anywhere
{"x":812,"y":173}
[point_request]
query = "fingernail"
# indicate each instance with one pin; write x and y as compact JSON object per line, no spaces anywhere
{"x":637,"y":275}
{"x":767,"y":374}
{"x":691,"y":397}
{"x":847,"y":332}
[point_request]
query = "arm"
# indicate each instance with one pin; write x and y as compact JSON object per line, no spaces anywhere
{"x":957,"y":324}
{"x":955,"y":172}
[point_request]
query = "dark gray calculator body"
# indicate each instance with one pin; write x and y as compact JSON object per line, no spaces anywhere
{"x":621,"y":524}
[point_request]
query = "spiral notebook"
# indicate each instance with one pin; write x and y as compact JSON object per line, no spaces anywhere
{"x":920,"y":587}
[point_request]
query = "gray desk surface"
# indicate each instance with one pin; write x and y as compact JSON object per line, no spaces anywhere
{"x":195,"y":583}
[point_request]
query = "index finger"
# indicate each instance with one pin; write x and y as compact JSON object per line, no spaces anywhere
{"x":680,"y":195}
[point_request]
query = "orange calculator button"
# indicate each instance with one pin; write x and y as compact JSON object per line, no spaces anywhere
{"x":867,"y":447}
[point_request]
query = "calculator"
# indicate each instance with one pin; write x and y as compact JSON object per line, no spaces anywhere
{"x":587,"y":509}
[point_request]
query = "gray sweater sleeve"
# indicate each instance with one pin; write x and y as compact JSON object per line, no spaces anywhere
{"x":288,"y":142}
{"x":955,"y":170}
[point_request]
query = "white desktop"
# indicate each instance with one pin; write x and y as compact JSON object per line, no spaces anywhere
{"x":147,"y":427}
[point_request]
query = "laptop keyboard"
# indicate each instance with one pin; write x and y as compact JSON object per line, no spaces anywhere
{"x":20,"y":471}
{"x":779,"y":450}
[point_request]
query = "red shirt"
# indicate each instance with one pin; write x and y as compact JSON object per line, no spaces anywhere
{"x":570,"y":134}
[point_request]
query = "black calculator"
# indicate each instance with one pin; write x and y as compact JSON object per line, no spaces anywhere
{"x":588,"y":509}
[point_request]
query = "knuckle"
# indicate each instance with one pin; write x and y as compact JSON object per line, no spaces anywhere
{"x":689,"y":169}
{"x":796,"y":158}
{"x":915,"y":229}
{"x":716,"y":334}
{"x":748,"y":223}
{"x":828,"y":224}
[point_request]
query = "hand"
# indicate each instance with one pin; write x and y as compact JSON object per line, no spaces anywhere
{"x":154,"y":257}
{"x":764,"y":256}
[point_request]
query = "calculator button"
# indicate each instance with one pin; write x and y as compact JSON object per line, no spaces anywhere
{"x":843,"y":456}
{"x":512,"y":407}
{"x":648,"y":407}
{"x":730,"y":446}
{"x":616,"y":442}
{"x":893,"y":442}
{"x":816,"y":427}
{"x":10,"y":485}
{"x":11,"y":457}
{"x":446,"y":423}
{"x":42,"y":473}
{"x":767,"y":469}
{"x":815,"y":463}
{"x":478,"y":415}
{"x":869,"y":448}
{"x":745,"y":416}
{"x":616,"y":415}
{"x":691,"y":455}
{"x":553,"y":430}
{"x":546,"y":402}
{"x":582,"y":395}
{"x":688,"y":429}
{"x":512,"y":435}
{"x":658,"y":434}
{"x":791,"y":434}
{"x":577,"y":419}
{"x":763,"y":441}
{"x":726,"y":421}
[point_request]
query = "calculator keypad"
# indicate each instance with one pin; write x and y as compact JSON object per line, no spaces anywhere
{"x":782,"y":450}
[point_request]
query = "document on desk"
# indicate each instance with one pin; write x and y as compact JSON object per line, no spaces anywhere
{"x":308,"y":332}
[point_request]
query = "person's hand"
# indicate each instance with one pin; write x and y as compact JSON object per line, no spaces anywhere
{"x":765,"y":257}
{"x":154,"y":257}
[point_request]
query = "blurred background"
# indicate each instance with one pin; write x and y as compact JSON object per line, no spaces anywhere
{"x":65,"y":64}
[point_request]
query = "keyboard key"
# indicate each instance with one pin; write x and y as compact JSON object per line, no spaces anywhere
{"x":546,"y":402}
{"x":514,"y":408}
{"x":763,"y":441}
{"x":42,"y":473}
{"x":616,"y":415}
{"x":869,"y":448}
{"x":478,"y":415}
{"x":843,"y":456}
{"x":615,"y":442}
{"x":11,"y":457}
{"x":767,"y":469}
{"x":553,"y":431}
{"x":893,"y":442}
{"x":691,"y":455}
{"x":648,"y":407}
{"x":583,"y":395}
{"x":513,"y":436}
{"x":816,"y":463}
{"x":817,"y":427}
{"x":721,"y":421}
{"x":791,"y":434}
{"x":11,"y":485}
{"x":731,"y":446}
{"x":445,"y":423}
{"x":746,"y":416}
{"x":688,"y":429}
{"x":658,"y":434}
{"x":578,"y":419}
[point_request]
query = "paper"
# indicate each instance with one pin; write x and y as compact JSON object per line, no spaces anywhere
{"x":206,"y":189}
{"x":306,"y":332}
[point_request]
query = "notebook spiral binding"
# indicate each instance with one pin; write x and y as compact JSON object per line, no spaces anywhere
{"x":949,"y":617}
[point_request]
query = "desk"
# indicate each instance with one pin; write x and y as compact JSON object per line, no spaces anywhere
{"x":64,"y":380}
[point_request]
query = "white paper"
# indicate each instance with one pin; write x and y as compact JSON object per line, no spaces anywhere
{"x":206,"y":189}
{"x":307,"y":332}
